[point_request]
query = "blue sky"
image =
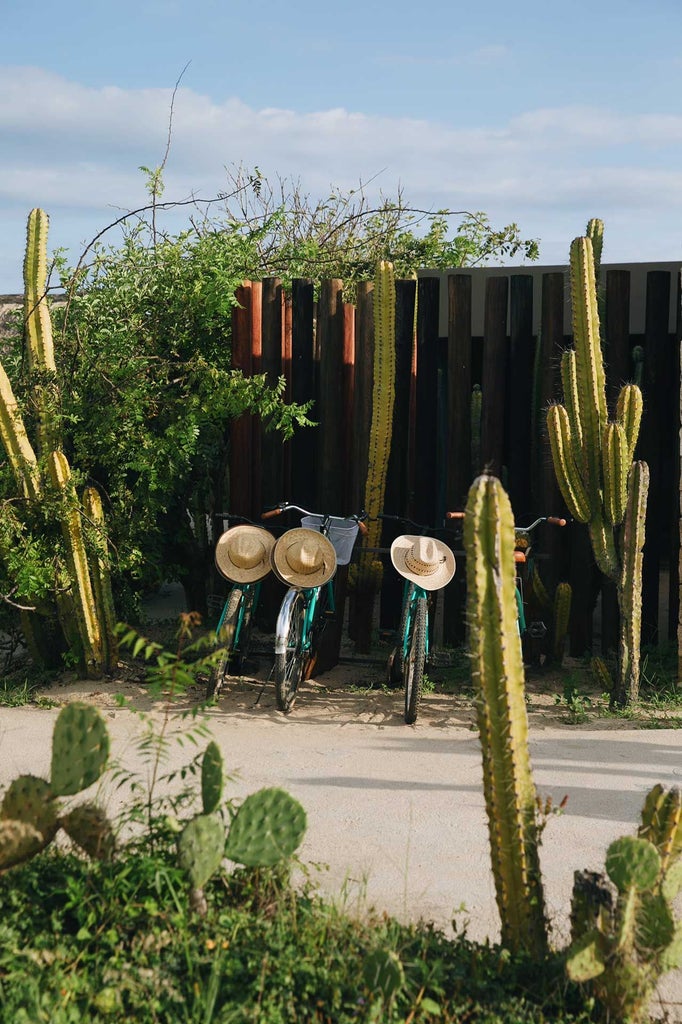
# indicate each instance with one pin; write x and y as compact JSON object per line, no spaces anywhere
{"x":543,"y":114}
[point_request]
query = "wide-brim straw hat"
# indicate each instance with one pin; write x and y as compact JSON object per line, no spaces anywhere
{"x":242,"y":554}
{"x":303,"y":558}
{"x":424,"y":560}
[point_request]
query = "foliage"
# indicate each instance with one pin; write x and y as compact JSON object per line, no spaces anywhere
{"x":115,"y":942}
{"x":345,"y":234}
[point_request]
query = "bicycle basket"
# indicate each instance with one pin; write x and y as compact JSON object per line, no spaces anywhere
{"x":342,"y":534}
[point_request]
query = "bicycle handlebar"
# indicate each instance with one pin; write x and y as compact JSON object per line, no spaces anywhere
{"x":552,"y":520}
{"x":286,"y":506}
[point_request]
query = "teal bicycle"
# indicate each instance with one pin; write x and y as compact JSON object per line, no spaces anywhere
{"x":427,"y":565}
{"x":242,"y":556}
{"x":305,"y":559}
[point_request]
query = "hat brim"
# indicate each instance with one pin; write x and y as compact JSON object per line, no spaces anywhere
{"x":302,"y":581}
{"x":237,"y":573}
{"x":401,"y":547}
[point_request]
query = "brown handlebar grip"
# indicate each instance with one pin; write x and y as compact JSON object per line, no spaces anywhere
{"x":271,"y":513}
{"x":454,"y":515}
{"x":519,"y":556}
{"x":362,"y":527}
{"x":556,"y":521}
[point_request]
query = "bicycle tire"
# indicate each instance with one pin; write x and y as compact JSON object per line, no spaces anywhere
{"x":288,"y":670}
{"x":227,"y":632}
{"x":396,"y":667}
{"x":413,"y":668}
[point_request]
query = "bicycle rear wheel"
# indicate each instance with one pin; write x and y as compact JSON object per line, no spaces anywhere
{"x":413,"y":666}
{"x":227,"y":637}
{"x":289,"y":663}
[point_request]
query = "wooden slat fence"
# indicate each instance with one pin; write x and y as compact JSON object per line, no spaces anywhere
{"x":324,"y":347}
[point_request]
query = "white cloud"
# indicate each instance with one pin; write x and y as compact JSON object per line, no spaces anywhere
{"x":72,"y":148}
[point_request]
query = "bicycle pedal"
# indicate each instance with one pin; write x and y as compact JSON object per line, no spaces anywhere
{"x":537,"y":630}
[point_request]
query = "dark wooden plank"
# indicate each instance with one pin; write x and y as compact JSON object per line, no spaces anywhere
{"x":520,"y":397}
{"x":495,"y":369}
{"x":287,"y":343}
{"x":304,"y":445}
{"x":459,"y":469}
{"x":657,"y":371}
{"x":348,"y":401}
{"x":426,"y":401}
{"x":675,"y":508}
{"x":616,"y":334}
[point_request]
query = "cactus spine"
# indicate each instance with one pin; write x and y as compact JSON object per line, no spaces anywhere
{"x":497,"y":672}
{"x":82,"y":591}
{"x":592,"y":459}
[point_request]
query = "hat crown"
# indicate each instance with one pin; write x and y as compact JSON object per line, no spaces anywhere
{"x":423,"y":558}
{"x":246,"y":551}
{"x":304,"y":556}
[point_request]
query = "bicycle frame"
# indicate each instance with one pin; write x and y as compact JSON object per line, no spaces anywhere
{"x":413,"y":593}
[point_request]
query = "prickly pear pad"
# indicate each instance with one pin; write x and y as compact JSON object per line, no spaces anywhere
{"x":201,"y":848}
{"x":30,"y":799}
{"x":211,"y":778}
{"x":89,"y":827}
{"x":80,"y":748}
{"x":267,"y":828}
{"x":19,"y":841}
{"x":632,"y":862}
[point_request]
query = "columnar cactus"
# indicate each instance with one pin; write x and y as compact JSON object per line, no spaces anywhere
{"x":593,"y":462}
{"x":369,"y":573}
{"x":623,"y":929}
{"x":82,"y":591}
{"x":497,"y":672}
{"x":30,"y":813}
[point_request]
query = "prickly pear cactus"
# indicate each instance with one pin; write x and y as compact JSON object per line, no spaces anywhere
{"x":267,"y":829}
{"x":90,"y":828}
{"x":31,"y":800}
{"x":383,"y":973}
{"x":19,"y":841}
{"x":80,"y":748}
{"x":211,"y":778}
{"x":626,"y":938}
{"x":201,"y":847}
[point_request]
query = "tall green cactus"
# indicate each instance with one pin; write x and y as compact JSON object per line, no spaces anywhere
{"x":365,"y":578}
{"x":593,"y":462}
{"x":497,"y":671}
{"x":82,"y":590}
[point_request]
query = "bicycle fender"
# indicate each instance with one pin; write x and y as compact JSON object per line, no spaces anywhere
{"x":282,"y":627}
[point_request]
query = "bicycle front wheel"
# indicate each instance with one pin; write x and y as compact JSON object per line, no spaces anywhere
{"x":289,"y":660}
{"x":413,"y":666}
{"x":226,"y":636}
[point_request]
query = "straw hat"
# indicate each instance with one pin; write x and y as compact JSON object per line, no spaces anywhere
{"x":304,"y":558}
{"x":242,"y":554}
{"x":424,"y":560}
